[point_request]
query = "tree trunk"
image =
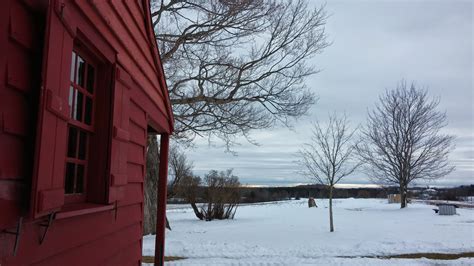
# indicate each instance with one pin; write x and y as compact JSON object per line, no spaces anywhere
{"x":331,"y":221}
{"x":403,"y":196}
{"x":150,"y":186}
{"x":197,"y":212}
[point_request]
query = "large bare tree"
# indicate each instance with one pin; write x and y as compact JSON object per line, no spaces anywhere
{"x":327,"y":158}
{"x":234,"y":66}
{"x":402,"y":140}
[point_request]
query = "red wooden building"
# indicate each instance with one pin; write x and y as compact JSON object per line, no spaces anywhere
{"x":81,"y":87}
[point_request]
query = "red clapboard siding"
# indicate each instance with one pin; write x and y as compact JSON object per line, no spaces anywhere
{"x":19,"y":69}
{"x":129,"y":255}
{"x":117,"y":33}
{"x":95,"y":251}
{"x":73,"y":232}
{"x":126,"y":39}
{"x":134,"y":9}
{"x":128,"y":24}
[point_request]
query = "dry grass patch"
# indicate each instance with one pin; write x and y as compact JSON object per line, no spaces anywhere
{"x":151,"y":259}
{"x":432,"y":256}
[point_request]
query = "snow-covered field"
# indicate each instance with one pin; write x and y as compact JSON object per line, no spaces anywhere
{"x":290,"y":233}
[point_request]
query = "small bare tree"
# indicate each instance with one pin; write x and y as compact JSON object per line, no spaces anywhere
{"x":222,"y":195}
{"x":179,"y":169}
{"x":327,"y":158}
{"x":402,"y":141}
{"x":188,"y":189}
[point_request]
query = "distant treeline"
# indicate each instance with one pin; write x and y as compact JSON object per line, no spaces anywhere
{"x":259,"y":194}
{"x":264,"y":194}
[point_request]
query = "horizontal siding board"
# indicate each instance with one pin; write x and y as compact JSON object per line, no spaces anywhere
{"x":15,"y":112}
{"x":136,"y":153}
{"x":133,"y":194}
{"x":19,"y":68}
{"x":22,"y":26}
{"x":12,"y":162}
{"x":135,"y":172}
{"x":138,"y":134}
{"x":137,"y":114}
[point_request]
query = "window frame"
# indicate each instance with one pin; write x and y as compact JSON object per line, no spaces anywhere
{"x":95,"y":174}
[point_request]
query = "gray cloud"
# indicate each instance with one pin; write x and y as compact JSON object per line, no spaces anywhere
{"x":376,"y":43}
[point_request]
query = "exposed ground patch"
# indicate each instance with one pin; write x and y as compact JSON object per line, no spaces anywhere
{"x":431,"y":256}
{"x":151,"y":259}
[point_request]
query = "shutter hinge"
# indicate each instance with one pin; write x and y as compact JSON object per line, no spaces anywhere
{"x":17,"y":233}
{"x":47,"y":224}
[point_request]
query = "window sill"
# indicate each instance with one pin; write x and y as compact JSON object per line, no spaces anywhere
{"x":78,"y":209}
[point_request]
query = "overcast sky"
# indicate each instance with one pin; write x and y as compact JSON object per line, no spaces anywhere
{"x":375,"y":44}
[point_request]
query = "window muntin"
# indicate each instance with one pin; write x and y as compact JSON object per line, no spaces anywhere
{"x":80,"y":125}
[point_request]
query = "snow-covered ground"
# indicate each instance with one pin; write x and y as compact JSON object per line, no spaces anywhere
{"x":290,"y":233}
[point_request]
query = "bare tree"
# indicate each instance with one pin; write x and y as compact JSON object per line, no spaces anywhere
{"x":402,"y":141}
{"x":188,"y":189}
{"x":182,"y":182}
{"x":327,"y":157}
{"x":222,"y":195}
{"x":234,"y":66}
{"x":179,"y":169}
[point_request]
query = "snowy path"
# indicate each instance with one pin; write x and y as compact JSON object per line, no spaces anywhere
{"x":289,"y":233}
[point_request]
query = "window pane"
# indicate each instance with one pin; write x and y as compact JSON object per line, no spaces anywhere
{"x":69,"y":180}
{"x":82,"y":145}
{"x":90,"y":78}
{"x":80,"y":179}
{"x":71,"y":98}
{"x":72,"y":143}
{"x":88,"y":111}
{"x":73,"y":65}
{"x":81,"y":67}
{"x":78,"y":106}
